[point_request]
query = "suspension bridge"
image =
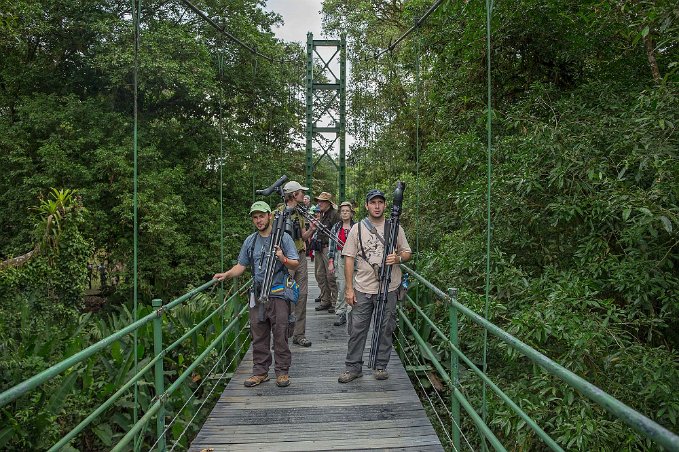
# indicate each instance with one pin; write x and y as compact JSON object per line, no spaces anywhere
{"x":423,"y":406}
{"x":316,"y":412}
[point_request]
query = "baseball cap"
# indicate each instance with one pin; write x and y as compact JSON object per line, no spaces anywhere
{"x":292,"y":187}
{"x":260,"y":206}
{"x":374,"y":193}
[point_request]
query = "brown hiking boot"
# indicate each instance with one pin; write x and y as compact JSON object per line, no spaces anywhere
{"x":346,"y":376}
{"x":381,"y":374}
{"x":255,"y":380}
{"x":282,"y":381}
{"x":302,"y":341}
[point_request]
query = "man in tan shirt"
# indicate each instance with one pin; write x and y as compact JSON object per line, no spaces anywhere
{"x":361,"y":290}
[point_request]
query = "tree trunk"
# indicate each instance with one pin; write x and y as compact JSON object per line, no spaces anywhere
{"x":650,"y":54}
{"x":17,"y":261}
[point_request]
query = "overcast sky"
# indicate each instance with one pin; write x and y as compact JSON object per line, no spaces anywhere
{"x":300,"y":16}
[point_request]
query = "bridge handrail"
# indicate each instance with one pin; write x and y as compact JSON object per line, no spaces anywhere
{"x":141,"y":423}
{"x":33,"y":382}
{"x":642,"y":424}
{"x":529,"y":421}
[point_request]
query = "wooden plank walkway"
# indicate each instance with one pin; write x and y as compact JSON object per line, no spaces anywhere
{"x":316,"y":412}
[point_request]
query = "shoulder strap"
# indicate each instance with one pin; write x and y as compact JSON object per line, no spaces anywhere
{"x":251,"y":251}
{"x":360,"y":242}
{"x":373,"y":230}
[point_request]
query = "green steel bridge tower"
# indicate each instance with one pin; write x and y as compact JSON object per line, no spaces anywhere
{"x":329,"y":91}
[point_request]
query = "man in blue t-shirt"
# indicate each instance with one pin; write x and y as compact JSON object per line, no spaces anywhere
{"x":272,"y":317}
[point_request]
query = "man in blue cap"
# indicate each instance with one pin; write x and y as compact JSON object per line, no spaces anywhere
{"x":270,"y":318}
{"x":365,"y":245}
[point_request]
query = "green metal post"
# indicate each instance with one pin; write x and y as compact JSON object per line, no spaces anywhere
{"x":236,"y":310}
{"x":454,"y":370}
{"x":309,"y":111}
{"x":342,"y":119}
{"x":401,"y":337}
{"x":159,"y":374}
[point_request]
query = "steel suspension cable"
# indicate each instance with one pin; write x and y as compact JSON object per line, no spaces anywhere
{"x":417,"y":158}
{"x":219,"y":359}
{"x":136,"y":12}
{"x":431,"y":403}
{"x":221,"y":167}
{"x":252,"y":134}
{"x":207,"y":397}
{"x":223,"y":31}
{"x":420,"y":363}
{"x":418,"y":23}
{"x":489,"y":170}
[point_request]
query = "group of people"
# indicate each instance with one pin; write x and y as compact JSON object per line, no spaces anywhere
{"x":346,"y":264}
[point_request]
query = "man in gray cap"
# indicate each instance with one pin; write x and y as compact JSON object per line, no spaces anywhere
{"x":294,"y":195}
{"x":365,"y":245}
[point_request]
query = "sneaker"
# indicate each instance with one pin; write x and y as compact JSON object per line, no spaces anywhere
{"x":255,"y":380}
{"x":322,"y":307}
{"x":341,"y":319}
{"x":381,"y":374}
{"x":331,"y":310}
{"x":302,"y":341}
{"x":317,"y":300}
{"x":282,"y":381}
{"x":346,"y":376}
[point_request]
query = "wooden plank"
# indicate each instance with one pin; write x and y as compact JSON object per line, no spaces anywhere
{"x":316,"y":412}
{"x":294,"y":434}
{"x":347,"y":443}
{"x":264,"y":417}
{"x":229,"y":397}
{"x":274,"y":428}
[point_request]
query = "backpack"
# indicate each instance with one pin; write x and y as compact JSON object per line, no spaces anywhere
{"x":288,"y":288}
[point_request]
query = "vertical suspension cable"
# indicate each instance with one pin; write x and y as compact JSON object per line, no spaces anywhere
{"x":221,"y":168}
{"x":489,"y":138}
{"x":252,"y":131}
{"x":136,"y":11}
{"x":417,"y":158}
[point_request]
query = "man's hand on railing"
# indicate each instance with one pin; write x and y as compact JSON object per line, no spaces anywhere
{"x":219,"y":276}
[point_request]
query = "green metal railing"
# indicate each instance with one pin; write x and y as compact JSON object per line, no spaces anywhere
{"x":637,"y":421}
{"x":157,"y":409}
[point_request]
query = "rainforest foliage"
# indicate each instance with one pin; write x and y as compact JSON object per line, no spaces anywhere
{"x":584,"y":211}
{"x":66,"y":189}
{"x":584,"y":250}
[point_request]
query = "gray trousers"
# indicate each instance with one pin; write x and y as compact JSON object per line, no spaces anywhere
{"x":340,"y":303}
{"x":359,"y":321}
{"x":326,"y":280}
{"x":301,"y":276}
{"x":275,"y":321}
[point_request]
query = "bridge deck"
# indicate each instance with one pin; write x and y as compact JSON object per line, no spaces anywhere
{"x":316,"y":412}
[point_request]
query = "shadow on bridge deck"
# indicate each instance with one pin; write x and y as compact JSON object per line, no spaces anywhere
{"x":316,"y":412}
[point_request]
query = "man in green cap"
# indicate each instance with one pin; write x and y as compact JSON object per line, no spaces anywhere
{"x":272,"y":317}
